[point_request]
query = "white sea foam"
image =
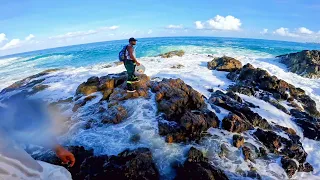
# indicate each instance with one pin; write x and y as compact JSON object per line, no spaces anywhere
{"x":112,"y":139}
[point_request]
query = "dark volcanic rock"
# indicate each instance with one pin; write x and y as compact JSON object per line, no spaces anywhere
{"x":234,"y":123}
{"x":182,"y":104}
{"x":247,"y":153}
{"x":238,"y":141}
{"x":197,"y":167}
{"x":130,"y":164}
{"x":290,"y":148}
{"x":115,"y":115}
{"x":29,"y":81}
{"x":309,"y":124}
{"x":305,"y":63}
{"x":305,"y":167}
{"x":289,"y":165}
{"x":242,"y":110}
{"x":224,"y":64}
{"x":250,"y":80}
{"x":170,"y":54}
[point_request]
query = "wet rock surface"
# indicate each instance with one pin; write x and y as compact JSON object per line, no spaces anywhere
{"x":130,"y":164}
{"x":171,"y":54}
{"x":250,"y":80}
{"x":197,"y":167}
{"x":305,"y":63}
{"x":224,"y":64}
{"x":186,"y":107}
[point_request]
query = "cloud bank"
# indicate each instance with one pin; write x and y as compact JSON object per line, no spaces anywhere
{"x":228,"y":23}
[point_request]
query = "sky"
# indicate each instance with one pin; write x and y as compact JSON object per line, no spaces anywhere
{"x":27,"y":25}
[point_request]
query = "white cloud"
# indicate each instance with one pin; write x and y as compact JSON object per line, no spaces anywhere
{"x":171,"y":26}
{"x":264,"y":31}
{"x":304,"y":30}
{"x":28,"y":38}
{"x":228,"y":23}
{"x":225,"y":23}
{"x":150,"y":31}
{"x":285,"y":32}
{"x":199,"y":25}
{"x":108,"y":28}
{"x":2,"y":37}
{"x":12,"y":44}
{"x":74,"y":34}
{"x":83,"y":33}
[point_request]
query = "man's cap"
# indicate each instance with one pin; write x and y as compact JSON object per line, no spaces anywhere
{"x":132,"y":39}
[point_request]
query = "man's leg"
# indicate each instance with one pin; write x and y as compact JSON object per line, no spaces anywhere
{"x":129,"y":65}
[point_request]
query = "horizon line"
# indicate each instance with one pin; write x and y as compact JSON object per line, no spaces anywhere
{"x":1,"y":57}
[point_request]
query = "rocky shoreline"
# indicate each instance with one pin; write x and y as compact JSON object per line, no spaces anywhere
{"x":305,"y":63}
{"x":185,"y":117}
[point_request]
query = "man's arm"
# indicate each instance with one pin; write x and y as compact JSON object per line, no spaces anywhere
{"x":130,"y":49}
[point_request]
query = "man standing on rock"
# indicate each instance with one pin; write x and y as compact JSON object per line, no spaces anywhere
{"x":130,"y":64}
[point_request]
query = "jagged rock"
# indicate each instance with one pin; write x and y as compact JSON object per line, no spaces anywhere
{"x":280,"y":145}
{"x":238,"y":141}
{"x":174,"y":98}
{"x":249,"y":77}
{"x":89,"y":87}
{"x":182,"y":104}
{"x":172,"y":131}
{"x":305,"y":63}
{"x":249,"y":91}
{"x":305,"y":167}
{"x":247,"y":153}
{"x":197,"y":167}
{"x":289,"y":165}
{"x":130,"y":164}
{"x":309,"y":125}
{"x":242,"y":110}
{"x":81,"y":103}
{"x":170,"y":54}
{"x":224,"y":64}
{"x":234,"y":123}
{"x":27,"y":82}
{"x":196,"y":156}
{"x":115,"y":115}
{"x":38,"y":88}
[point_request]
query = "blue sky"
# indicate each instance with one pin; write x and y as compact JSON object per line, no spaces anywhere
{"x":27,"y":25}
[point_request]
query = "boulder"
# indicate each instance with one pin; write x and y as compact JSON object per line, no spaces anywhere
{"x":38,"y":88}
{"x":246,"y":153}
{"x":130,"y":164}
{"x":224,"y":64}
{"x":29,"y":81}
{"x":234,"y":123}
{"x":89,"y":87}
{"x":309,"y":125}
{"x":174,"y":98}
{"x":289,"y":165}
{"x":242,"y":110}
{"x":186,"y":107}
{"x":198,"y":167}
{"x":279,"y":145}
{"x":115,"y":115}
{"x":305,"y":63}
{"x":170,"y":54}
{"x":305,"y":167}
{"x":238,"y":141}
{"x":250,"y":80}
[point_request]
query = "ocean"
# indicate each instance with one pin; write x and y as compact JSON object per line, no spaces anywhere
{"x":79,"y":62}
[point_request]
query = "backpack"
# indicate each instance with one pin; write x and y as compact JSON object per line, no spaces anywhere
{"x":122,"y":54}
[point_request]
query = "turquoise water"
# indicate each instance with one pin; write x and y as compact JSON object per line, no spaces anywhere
{"x":15,"y":67}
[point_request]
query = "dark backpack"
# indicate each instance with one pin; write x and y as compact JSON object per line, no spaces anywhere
{"x":122,"y":54}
